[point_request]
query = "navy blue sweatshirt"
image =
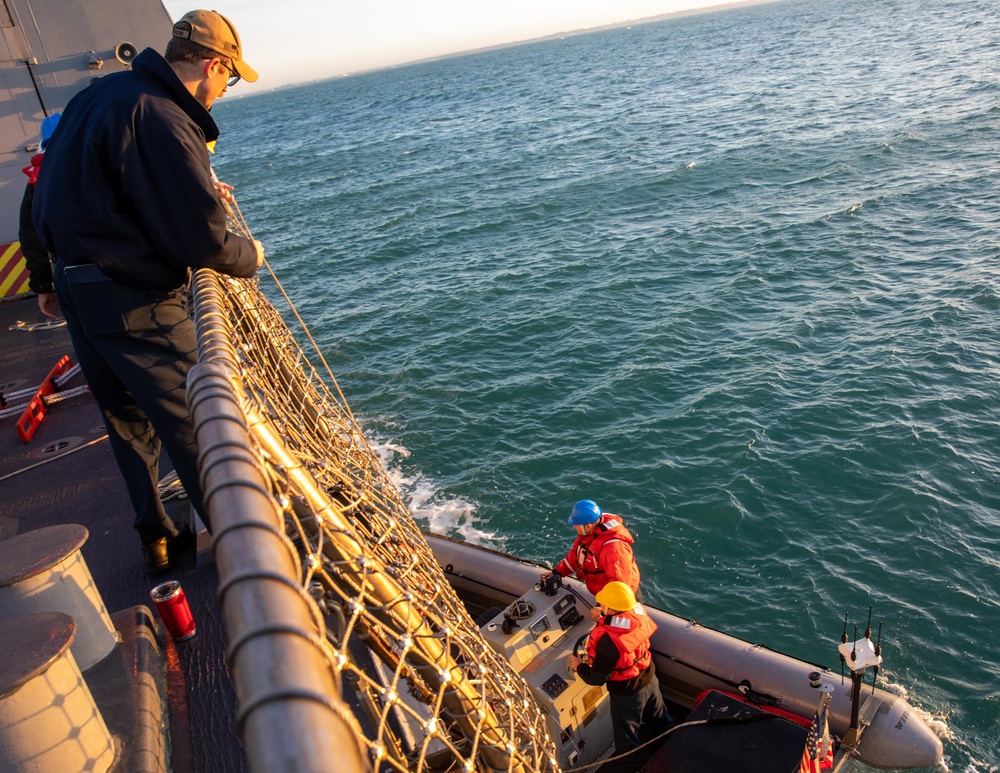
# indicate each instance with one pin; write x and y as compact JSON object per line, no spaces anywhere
{"x":126,"y":183}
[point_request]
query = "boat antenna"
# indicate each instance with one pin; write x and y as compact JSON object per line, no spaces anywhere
{"x":868,"y":627}
{"x":861,"y":656}
{"x":878,"y":654}
{"x":843,"y":640}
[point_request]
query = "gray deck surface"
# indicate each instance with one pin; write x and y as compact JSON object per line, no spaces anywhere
{"x":58,"y":478}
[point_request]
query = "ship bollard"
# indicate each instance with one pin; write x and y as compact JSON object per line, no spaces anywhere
{"x":49,"y":722}
{"x":43,"y":570}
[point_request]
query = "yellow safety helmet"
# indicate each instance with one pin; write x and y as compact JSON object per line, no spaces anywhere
{"x":617,"y":596}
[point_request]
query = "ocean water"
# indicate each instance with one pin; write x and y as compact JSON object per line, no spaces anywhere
{"x":734,"y":276}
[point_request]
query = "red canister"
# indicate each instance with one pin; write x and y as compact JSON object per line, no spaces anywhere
{"x":174,"y":609}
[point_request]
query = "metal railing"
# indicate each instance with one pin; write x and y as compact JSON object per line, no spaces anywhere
{"x":349,"y":649}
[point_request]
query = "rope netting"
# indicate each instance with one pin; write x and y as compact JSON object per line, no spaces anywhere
{"x":419,"y":686}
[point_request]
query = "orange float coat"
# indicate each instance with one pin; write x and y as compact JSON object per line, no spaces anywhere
{"x":630,"y":633}
{"x":602,"y":556}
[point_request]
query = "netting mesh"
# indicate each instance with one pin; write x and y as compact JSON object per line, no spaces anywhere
{"x":426,"y":691}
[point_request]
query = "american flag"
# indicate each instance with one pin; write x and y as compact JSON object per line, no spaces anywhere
{"x":818,"y":754}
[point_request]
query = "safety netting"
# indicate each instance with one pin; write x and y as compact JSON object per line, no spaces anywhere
{"x":322,"y":566}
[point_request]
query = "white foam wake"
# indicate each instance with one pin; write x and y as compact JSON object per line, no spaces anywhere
{"x":425,"y":501}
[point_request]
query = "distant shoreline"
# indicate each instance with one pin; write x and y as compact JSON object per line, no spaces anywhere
{"x":553,"y":36}
{"x":582,"y":31}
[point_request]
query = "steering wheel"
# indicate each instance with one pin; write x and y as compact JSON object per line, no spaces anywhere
{"x":580,"y":648}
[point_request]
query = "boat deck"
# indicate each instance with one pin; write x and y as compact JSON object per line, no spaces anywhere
{"x":67,"y":474}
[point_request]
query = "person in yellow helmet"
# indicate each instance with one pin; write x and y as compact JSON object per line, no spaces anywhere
{"x":618,"y":656}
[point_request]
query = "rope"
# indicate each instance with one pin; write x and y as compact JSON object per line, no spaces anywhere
{"x":692,"y":723}
{"x":170,"y":487}
{"x":404,"y":632}
{"x":59,"y":456}
{"x":245,"y":229}
{"x":30,"y":327}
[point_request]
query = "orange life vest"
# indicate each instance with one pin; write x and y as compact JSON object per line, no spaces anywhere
{"x":631,"y":632}
{"x":590,"y":557}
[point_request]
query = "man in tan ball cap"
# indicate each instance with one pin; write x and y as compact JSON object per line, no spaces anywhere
{"x":126,"y":206}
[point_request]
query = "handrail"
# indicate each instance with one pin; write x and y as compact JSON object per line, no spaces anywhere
{"x":307,"y":526}
{"x":288,"y":718}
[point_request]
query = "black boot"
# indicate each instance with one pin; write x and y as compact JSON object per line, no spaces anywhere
{"x":160,"y":553}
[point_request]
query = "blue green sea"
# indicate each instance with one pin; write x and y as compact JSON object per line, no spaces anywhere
{"x":735,"y":276}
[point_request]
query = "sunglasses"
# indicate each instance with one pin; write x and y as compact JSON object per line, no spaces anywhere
{"x":234,"y":76}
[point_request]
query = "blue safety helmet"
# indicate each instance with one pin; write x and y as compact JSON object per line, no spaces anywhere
{"x":48,"y":126}
{"x":585,"y":511}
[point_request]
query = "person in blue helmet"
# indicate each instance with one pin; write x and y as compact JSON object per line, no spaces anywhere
{"x":36,"y":257}
{"x":602,"y":550}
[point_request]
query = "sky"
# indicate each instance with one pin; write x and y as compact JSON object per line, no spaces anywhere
{"x":297,"y":41}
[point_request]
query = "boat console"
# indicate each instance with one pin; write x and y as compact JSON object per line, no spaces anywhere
{"x":536,"y":635}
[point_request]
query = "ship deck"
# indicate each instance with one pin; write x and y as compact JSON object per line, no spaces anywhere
{"x":67,"y":474}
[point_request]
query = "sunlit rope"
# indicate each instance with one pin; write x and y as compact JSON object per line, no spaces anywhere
{"x":54,"y":458}
{"x":245,"y":231}
{"x":170,"y":487}
{"x":30,"y":327}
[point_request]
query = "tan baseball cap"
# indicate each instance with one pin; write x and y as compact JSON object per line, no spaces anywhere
{"x":215,"y":32}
